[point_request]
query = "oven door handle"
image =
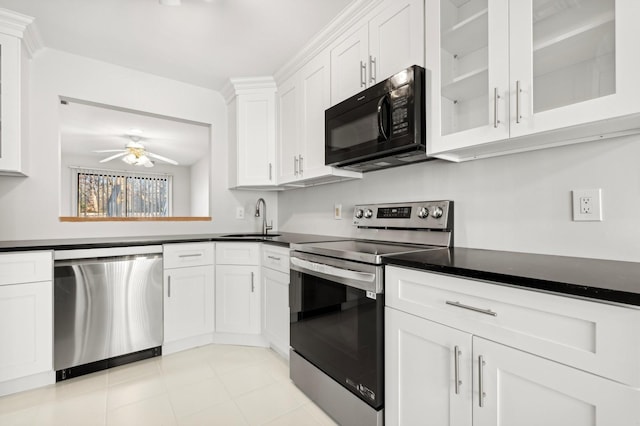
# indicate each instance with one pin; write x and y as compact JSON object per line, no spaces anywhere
{"x":333,"y":271}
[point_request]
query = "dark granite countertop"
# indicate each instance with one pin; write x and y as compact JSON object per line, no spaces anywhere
{"x":606,"y":280}
{"x":279,"y":238}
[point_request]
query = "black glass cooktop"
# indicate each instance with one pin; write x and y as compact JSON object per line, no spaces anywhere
{"x":361,"y":250}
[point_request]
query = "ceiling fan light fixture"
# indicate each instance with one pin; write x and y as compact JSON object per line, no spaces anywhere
{"x":170,"y":2}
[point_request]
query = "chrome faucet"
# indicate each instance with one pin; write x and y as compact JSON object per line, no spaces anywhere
{"x":265,"y":228}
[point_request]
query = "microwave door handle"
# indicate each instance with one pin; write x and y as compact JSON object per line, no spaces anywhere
{"x":381,"y":128}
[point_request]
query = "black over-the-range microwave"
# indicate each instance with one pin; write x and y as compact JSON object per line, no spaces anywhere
{"x":382,"y":126}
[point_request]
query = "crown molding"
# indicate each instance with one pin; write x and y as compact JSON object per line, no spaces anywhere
{"x":23,"y":27}
{"x":348,"y":18}
{"x":246,"y":85}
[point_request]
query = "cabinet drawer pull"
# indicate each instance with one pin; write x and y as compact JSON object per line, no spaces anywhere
{"x":363,"y":74}
{"x":372,"y":69}
{"x":481,"y":393}
{"x":169,"y":286}
{"x":495,"y":108}
{"x":270,"y":171}
{"x":190,"y":255}
{"x":518,"y":90}
{"x":274,"y":258}
{"x":295,"y":165}
{"x":300,"y":158}
{"x":472,"y":308}
{"x":456,"y":363}
{"x":252,"y":284}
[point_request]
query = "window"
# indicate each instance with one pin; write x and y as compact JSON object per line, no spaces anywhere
{"x":108,"y":193}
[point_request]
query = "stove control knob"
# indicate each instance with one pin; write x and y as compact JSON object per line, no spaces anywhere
{"x":368,"y":214}
{"x":436,"y":212}
{"x":423,"y":212}
{"x":359,"y":214}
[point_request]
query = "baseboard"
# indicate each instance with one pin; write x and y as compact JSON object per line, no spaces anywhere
{"x":27,"y":383}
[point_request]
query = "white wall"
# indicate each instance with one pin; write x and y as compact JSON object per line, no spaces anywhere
{"x":519,"y":202}
{"x":29,"y":207}
{"x":181,"y":182}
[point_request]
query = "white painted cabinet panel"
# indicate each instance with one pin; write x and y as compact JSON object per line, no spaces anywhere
{"x":421,"y":370}
{"x":529,"y":74}
{"x":238,"y":299}
{"x":188,"y":302}
{"x":252,"y":132}
{"x":26,"y":315}
{"x":525,"y":390}
{"x":275,"y":309}
{"x":389,"y":40}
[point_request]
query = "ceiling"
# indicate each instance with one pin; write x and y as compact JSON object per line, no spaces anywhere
{"x":85,"y":128}
{"x":199,"y":42}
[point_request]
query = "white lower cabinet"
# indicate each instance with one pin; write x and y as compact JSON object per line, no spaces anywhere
{"x":275,"y":298}
{"x":420,"y":371}
{"x":447,"y":364}
{"x":189,"y":291}
{"x":238,"y":299}
{"x":26,"y":320}
{"x":275,"y":317}
{"x":188,"y":302}
{"x":238,"y":288}
{"x":526,"y":390}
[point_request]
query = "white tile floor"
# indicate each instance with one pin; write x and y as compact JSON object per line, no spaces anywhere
{"x":211,"y":385}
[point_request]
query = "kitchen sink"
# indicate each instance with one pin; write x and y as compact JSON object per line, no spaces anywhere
{"x":254,"y":235}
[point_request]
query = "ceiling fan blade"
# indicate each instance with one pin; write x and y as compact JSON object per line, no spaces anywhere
{"x":109,"y":150}
{"x":104,"y":160}
{"x":160,"y":157}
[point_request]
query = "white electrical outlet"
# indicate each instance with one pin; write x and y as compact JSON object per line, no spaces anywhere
{"x":587,"y":204}
{"x":240,"y":212}
{"x":337,"y":211}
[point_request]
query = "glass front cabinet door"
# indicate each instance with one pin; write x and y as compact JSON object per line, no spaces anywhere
{"x":504,"y":69}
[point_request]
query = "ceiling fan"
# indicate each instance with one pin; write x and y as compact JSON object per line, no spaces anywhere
{"x":135,"y":154}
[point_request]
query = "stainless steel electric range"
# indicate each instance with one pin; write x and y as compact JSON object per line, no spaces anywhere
{"x":336,"y":299}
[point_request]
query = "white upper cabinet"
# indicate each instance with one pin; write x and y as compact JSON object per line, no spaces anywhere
{"x":16,"y":37}
{"x":389,"y":40}
{"x":302,"y":101}
{"x":252,"y":132}
{"x":529,"y":73}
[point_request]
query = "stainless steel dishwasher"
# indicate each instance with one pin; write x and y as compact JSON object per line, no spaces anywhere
{"x":107,"y":308}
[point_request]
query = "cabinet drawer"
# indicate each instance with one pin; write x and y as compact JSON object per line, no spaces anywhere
{"x":188,"y":254}
{"x":276,"y":258}
{"x":26,"y":267}
{"x":596,"y":337}
{"x":238,"y":254}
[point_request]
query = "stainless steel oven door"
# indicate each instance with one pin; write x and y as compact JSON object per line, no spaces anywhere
{"x":337,"y":310}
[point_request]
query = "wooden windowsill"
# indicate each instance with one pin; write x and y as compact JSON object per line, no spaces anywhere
{"x":136,"y":219}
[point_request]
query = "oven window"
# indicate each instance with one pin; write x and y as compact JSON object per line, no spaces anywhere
{"x":339,"y":330}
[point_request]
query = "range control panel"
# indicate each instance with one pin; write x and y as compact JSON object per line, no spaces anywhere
{"x":410,"y":215}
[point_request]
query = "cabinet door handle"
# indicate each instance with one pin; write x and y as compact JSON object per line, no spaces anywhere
{"x":295,"y":165}
{"x":274,"y":258}
{"x":456,"y":364}
{"x":481,"y":394}
{"x":363,"y":74}
{"x":518,"y":90}
{"x":472,"y":308}
{"x":190,"y":255}
{"x":270,"y":171}
{"x":495,"y":108}
{"x":252,"y":284}
{"x":169,"y":286}
{"x":372,"y":69}
{"x":300,"y":158}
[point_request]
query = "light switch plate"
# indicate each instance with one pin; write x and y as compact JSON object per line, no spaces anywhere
{"x":587,"y":205}
{"x":239,"y":212}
